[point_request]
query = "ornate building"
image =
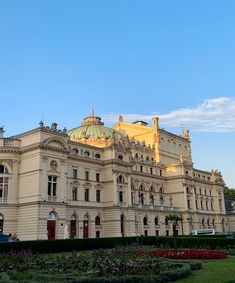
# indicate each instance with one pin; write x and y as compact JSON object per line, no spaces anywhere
{"x":94,"y":181}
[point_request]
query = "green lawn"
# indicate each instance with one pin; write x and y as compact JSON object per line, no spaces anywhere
{"x":213,"y":271}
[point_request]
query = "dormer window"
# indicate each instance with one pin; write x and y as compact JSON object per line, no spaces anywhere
{"x":86,"y":153}
{"x":120,"y":157}
{"x":97,"y":156}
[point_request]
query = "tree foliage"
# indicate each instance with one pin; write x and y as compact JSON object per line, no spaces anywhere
{"x":229,"y":193}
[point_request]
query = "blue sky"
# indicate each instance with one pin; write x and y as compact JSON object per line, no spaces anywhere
{"x":174,"y":59}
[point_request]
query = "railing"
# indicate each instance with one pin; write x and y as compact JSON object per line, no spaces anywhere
{"x":157,"y":208}
{"x":2,"y":200}
{"x":52,"y":198}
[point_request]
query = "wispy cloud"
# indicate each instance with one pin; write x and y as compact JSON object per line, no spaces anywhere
{"x":213,"y":115}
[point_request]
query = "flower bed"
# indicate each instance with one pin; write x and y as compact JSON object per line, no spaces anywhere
{"x":188,"y":254}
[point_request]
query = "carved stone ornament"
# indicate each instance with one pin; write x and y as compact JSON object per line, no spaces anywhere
{"x":53,"y":164}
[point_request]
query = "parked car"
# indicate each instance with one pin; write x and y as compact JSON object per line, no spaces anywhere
{"x":3,"y":238}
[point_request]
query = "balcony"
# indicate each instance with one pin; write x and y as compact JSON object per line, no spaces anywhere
{"x":156,"y":208}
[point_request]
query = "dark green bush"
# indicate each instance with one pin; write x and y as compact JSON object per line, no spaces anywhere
{"x":102,"y":243}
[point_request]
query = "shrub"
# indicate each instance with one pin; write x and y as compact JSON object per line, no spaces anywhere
{"x":90,"y":244}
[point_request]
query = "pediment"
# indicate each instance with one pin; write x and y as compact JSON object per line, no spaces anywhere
{"x":56,"y":143}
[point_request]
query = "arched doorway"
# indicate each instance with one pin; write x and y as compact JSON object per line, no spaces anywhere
{"x":86,"y":227}
{"x":51,"y":226}
{"x":1,"y":224}
{"x":73,"y":226}
{"x":122,"y":225}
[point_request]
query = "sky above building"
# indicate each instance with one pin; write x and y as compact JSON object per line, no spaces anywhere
{"x":172,"y":59}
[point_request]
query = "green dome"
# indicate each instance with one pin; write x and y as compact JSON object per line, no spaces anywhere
{"x":93,"y":129}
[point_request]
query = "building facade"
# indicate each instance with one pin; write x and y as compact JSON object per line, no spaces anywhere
{"x":94,"y":181}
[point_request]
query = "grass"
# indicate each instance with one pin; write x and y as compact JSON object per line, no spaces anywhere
{"x":213,"y":271}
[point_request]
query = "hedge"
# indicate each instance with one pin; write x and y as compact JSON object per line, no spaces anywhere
{"x":90,"y":244}
{"x":173,"y":275}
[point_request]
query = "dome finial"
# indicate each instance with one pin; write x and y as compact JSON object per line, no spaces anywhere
{"x":92,"y":111}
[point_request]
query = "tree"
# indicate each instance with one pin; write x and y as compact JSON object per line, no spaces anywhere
{"x":229,"y":193}
{"x":174,"y":218}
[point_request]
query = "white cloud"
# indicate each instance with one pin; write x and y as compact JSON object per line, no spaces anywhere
{"x":213,"y":115}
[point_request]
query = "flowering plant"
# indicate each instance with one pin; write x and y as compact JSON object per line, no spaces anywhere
{"x":187,"y":254}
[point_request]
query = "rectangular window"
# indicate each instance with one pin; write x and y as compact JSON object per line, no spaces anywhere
{"x":151,"y":171}
{"x":157,"y":233}
{"x":52,"y":184}
{"x":98,"y":195}
{"x":74,"y":194}
{"x":87,"y":173}
{"x":201,"y":204}
{"x":86,"y":194}
{"x":2,"y":169}
{"x":196,"y":204}
{"x":160,"y":172}
{"x":132,"y":198}
{"x":189,"y":205}
{"x":75,"y":173}
{"x":120,"y":196}
{"x":97,"y":177}
{"x":97,"y":234}
{"x":141,"y":168}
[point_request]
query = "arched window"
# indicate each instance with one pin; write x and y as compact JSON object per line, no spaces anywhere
{"x":3,"y":183}
{"x":97,"y":221}
{"x":208,"y":221}
{"x":156,"y":221}
{"x":136,"y":156}
{"x":213,"y":222}
{"x":120,"y":157}
{"x":145,"y":221}
{"x":203,"y":222}
{"x":75,"y":151}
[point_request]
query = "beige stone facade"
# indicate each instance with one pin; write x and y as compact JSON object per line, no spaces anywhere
{"x":94,"y":181}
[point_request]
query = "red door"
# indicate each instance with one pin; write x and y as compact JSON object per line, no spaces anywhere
{"x":51,"y":229}
{"x":73,"y":229}
{"x":85,"y":229}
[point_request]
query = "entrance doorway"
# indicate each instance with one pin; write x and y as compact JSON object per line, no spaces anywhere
{"x":51,"y":226}
{"x":1,"y":224}
{"x":85,"y":229}
{"x":122,"y":225}
{"x":73,"y":226}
